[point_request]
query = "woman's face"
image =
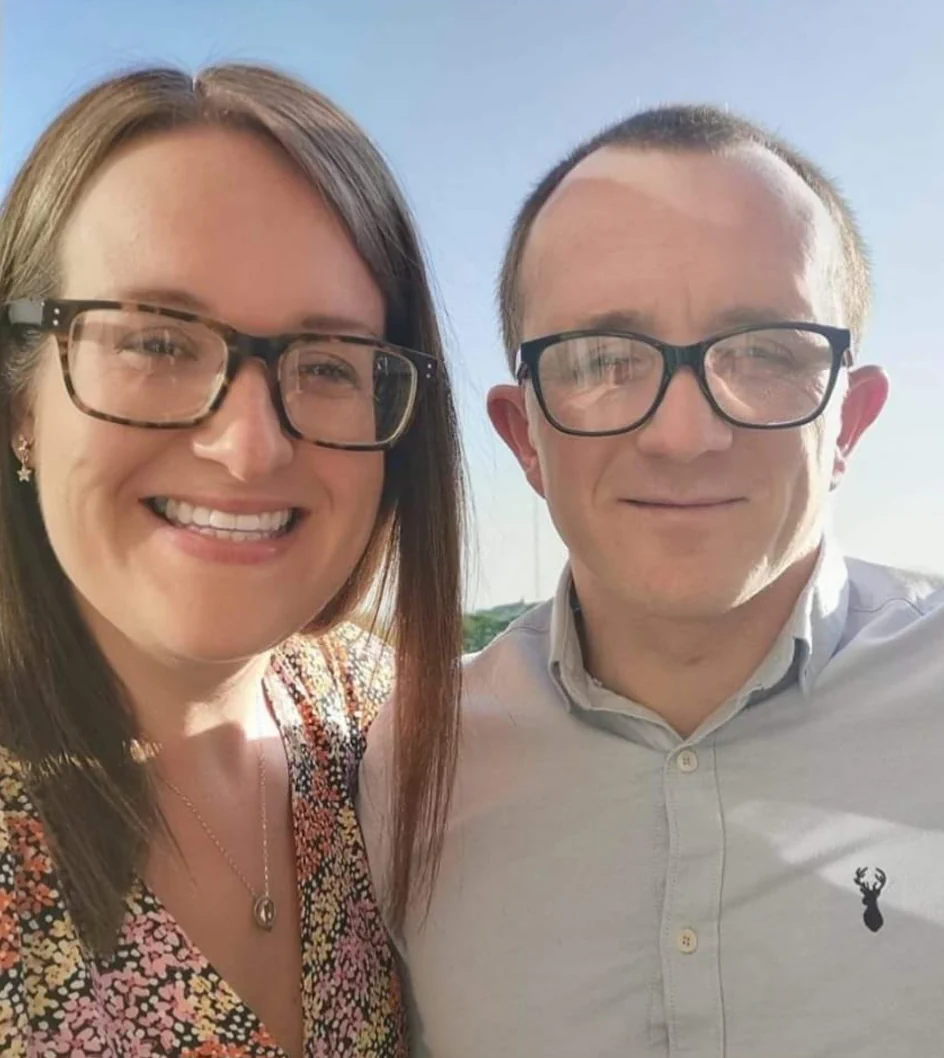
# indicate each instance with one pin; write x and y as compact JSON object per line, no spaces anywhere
{"x":214,"y":221}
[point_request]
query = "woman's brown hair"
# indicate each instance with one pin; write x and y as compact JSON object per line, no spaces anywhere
{"x":62,"y":711}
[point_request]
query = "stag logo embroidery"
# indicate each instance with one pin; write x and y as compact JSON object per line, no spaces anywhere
{"x":871,"y":882}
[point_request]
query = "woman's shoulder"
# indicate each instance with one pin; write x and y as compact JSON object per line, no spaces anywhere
{"x":345,"y":675}
{"x":22,"y":839}
{"x":16,"y":808}
{"x":27,"y":892}
{"x":12,"y":795}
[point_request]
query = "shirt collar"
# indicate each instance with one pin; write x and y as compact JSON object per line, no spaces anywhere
{"x":821,"y":613}
{"x":808,"y":641}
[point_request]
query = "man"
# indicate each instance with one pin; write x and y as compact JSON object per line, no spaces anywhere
{"x":697,"y":809}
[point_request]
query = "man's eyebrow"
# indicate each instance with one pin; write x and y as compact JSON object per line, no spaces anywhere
{"x":643,"y":323}
{"x":752,"y":316}
{"x":173,"y":298}
{"x":618,"y":320}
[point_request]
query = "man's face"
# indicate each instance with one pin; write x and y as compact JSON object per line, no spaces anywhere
{"x":687,"y":516}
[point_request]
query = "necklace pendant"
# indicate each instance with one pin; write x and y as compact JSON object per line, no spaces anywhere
{"x":263,"y":912}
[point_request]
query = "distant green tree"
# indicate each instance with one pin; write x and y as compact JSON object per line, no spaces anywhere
{"x":481,"y":627}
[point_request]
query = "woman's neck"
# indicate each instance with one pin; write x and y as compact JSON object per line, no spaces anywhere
{"x":185,"y":709}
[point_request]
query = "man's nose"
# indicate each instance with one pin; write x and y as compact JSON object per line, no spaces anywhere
{"x":685,"y":426}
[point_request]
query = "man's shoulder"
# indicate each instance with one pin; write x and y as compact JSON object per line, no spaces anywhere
{"x":875,"y":588}
{"x":889,"y":604}
{"x":515,"y":662}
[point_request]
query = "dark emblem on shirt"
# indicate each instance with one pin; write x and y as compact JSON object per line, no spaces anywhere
{"x":871,"y":882}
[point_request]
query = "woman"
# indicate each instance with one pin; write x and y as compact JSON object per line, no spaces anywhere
{"x":228,"y":423}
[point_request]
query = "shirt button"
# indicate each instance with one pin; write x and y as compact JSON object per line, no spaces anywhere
{"x":687,"y":761}
{"x":687,"y":941}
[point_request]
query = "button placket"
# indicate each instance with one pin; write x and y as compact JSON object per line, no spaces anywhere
{"x":687,"y":941}
{"x":690,"y":951}
{"x":687,"y":761}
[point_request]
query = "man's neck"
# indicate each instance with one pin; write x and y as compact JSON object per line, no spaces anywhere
{"x":683,"y":670}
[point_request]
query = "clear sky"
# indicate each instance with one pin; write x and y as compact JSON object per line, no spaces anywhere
{"x":472,"y":100}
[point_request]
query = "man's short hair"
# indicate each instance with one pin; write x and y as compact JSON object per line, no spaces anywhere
{"x":688,"y":128}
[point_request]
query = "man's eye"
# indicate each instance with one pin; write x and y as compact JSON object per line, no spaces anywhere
{"x":765,"y":352}
{"x":767,"y":356}
{"x":620,"y":366}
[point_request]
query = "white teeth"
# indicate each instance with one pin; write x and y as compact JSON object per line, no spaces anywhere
{"x":255,"y":523}
{"x":222,"y":520}
{"x":223,"y":525}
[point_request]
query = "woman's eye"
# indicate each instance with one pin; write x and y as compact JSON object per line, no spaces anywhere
{"x":328,"y":372}
{"x":158,"y":346}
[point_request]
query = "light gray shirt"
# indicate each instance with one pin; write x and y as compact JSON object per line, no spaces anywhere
{"x":771,"y":887}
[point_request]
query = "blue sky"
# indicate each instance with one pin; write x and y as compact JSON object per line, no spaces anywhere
{"x":471,"y":100}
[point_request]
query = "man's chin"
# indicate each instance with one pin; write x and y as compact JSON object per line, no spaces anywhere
{"x":676,"y":593}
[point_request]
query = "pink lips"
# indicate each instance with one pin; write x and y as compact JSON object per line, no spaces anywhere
{"x":221,"y":551}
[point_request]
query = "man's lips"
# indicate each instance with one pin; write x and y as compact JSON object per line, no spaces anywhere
{"x":684,"y":505}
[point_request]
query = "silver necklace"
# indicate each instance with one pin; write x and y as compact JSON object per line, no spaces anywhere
{"x":263,"y":906}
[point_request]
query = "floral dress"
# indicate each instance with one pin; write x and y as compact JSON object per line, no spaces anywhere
{"x":156,"y":994}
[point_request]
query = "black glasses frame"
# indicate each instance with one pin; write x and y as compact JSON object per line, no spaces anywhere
{"x":675,"y":357}
{"x":56,"y":316}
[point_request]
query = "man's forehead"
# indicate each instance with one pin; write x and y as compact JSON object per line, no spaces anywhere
{"x":653,"y":196}
{"x":726,"y":188}
{"x":693,"y":180}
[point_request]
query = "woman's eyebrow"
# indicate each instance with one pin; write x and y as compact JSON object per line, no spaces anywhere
{"x":175,"y":298}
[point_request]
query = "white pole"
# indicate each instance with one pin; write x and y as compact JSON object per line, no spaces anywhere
{"x":536,"y":545}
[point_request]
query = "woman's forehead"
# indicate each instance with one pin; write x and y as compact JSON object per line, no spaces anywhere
{"x":222,"y":216}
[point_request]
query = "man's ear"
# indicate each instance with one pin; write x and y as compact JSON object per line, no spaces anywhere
{"x":508,"y":410}
{"x":864,"y":400}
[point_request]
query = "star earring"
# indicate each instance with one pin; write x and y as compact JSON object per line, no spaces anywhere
{"x":23,"y":450}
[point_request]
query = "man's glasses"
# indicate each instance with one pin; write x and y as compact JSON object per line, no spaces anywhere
{"x":140,"y":365}
{"x":593,"y":383}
